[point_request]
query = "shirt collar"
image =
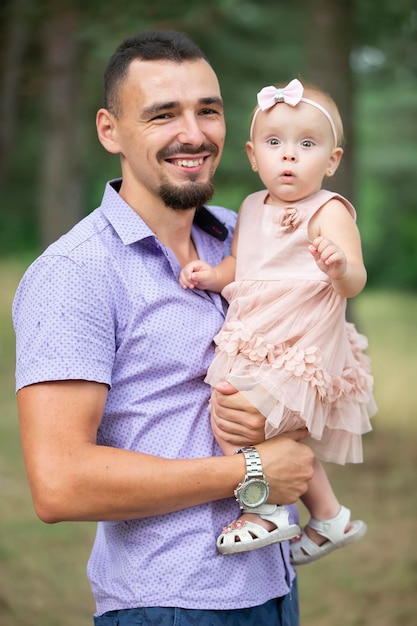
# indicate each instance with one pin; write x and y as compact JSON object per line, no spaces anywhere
{"x":130,"y":226}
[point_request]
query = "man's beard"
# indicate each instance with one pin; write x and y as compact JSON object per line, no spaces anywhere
{"x":186,"y":196}
{"x":191,"y":194}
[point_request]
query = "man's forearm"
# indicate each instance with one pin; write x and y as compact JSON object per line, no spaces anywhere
{"x":111,"y":484}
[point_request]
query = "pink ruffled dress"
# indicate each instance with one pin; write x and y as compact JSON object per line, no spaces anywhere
{"x":286,"y":344}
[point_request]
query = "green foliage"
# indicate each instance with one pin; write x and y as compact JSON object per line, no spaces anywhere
{"x":250,"y":43}
{"x":387,"y":204}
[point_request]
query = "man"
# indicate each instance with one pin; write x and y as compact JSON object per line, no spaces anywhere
{"x":111,"y":358}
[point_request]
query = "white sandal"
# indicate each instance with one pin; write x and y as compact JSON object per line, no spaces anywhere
{"x":304,"y":550}
{"x":243,"y":535}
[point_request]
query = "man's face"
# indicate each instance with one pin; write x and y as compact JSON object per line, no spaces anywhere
{"x":170,"y":133}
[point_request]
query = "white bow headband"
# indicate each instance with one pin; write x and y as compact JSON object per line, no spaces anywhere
{"x":292,"y":94}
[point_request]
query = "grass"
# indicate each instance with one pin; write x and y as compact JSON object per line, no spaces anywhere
{"x":372,"y":583}
{"x":42,"y":567}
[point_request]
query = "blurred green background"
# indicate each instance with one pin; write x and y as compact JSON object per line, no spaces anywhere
{"x":52,"y":167}
{"x":53,"y":170}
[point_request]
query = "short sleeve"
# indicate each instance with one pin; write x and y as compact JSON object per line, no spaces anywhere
{"x":64,"y":324}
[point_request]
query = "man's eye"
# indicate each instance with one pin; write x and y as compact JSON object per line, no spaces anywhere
{"x":162,"y":116}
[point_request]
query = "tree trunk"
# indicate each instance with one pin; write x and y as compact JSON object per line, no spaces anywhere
{"x":329,"y":45}
{"x":16,"y":31}
{"x":60,"y":180}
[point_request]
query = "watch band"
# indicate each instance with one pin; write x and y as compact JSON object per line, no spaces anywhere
{"x":253,"y":491}
{"x":253,"y":461}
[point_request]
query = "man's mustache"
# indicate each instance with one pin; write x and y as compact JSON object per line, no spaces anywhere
{"x":173,"y":151}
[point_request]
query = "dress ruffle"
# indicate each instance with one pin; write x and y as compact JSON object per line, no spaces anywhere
{"x":292,"y":388}
{"x":303,"y":364}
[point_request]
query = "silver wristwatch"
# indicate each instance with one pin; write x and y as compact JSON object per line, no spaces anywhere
{"x":254,"y":490}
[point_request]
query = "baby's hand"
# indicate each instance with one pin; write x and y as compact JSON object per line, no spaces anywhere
{"x":329,"y":258}
{"x":195,"y":274}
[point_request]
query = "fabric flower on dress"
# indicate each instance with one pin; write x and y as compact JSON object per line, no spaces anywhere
{"x":354,"y":384}
{"x":235,"y":339}
{"x":305,"y":364}
{"x":300,"y":362}
{"x":360,"y":382}
{"x":289,"y":219}
{"x":232,"y":337}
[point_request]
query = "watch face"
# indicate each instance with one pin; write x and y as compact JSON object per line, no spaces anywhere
{"x":254,"y":493}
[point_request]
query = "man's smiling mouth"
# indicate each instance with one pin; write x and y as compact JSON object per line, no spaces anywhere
{"x":187,"y":162}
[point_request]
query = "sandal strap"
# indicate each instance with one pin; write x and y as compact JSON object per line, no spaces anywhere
{"x":333,"y":529}
{"x":275,"y":513}
{"x":263,"y":509}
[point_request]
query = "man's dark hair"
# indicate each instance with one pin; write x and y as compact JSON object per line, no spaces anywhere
{"x":153,"y":45}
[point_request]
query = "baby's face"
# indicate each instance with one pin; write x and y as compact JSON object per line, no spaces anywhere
{"x":293,"y":150}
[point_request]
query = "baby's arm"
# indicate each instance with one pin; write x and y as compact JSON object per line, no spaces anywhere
{"x":204,"y":276}
{"x":337,"y":249}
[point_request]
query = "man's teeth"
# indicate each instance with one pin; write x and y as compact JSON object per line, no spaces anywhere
{"x":188,"y":162}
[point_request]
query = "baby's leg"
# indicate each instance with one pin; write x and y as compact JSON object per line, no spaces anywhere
{"x":320,"y":501}
{"x":330,"y":526}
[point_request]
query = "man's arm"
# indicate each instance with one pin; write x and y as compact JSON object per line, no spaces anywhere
{"x":73,"y":478}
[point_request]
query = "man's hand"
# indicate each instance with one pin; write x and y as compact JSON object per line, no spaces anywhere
{"x":287,"y":465}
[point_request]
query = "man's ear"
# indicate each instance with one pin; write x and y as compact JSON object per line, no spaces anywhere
{"x":106,"y":131}
{"x":334,"y":161}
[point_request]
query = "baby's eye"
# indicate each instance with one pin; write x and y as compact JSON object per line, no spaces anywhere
{"x":273,"y":141}
{"x":307,"y":143}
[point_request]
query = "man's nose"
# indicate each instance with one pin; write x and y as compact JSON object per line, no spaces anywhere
{"x":190,"y":131}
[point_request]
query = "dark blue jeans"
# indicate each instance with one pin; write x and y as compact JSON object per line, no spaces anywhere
{"x":279,"y":612}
